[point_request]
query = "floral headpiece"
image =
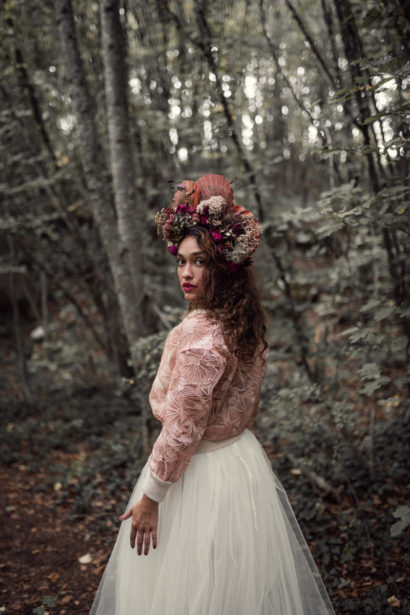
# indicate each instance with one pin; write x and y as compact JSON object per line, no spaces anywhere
{"x":209,"y":202}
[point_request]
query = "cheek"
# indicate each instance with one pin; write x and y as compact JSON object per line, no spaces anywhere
{"x":201,"y":275}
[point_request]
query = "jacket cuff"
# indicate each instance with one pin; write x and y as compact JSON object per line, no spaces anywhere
{"x":155,"y":488}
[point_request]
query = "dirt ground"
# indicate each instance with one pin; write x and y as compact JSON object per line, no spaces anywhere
{"x":44,"y":549}
{"x":41,"y":551}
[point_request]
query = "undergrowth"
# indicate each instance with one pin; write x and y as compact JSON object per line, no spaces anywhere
{"x":86,"y":450}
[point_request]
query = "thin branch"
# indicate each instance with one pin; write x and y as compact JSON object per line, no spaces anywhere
{"x":275,"y":56}
{"x":205,"y":45}
{"x":315,"y":479}
{"x":311,"y":42}
{"x":44,"y":268}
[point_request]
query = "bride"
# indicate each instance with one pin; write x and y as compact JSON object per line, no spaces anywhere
{"x":209,"y":529}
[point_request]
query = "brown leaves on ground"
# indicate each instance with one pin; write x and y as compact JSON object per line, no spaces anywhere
{"x":41,"y":550}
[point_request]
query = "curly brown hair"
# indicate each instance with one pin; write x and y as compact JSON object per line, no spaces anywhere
{"x":231,"y":298}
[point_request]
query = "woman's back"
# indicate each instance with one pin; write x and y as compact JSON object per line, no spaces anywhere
{"x":197,"y":352}
{"x":201,"y":391}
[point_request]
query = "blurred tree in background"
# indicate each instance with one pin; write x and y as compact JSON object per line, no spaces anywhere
{"x":303,"y":105}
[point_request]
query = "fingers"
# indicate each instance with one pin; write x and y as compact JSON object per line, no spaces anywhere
{"x":146,"y":542}
{"x":144,"y":523}
{"x":125,"y":515}
{"x":140,"y":539}
{"x":133,"y":535}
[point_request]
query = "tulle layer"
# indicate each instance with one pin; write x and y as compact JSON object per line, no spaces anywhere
{"x":228,"y":544}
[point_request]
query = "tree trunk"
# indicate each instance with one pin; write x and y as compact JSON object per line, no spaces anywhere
{"x":18,"y":335}
{"x":130,"y":213}
{"x":99,"y":187}
{"x":395,"y":252}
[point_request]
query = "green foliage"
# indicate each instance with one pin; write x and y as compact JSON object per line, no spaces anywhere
{"x":48,"y":602}
{"x":403,"y":514}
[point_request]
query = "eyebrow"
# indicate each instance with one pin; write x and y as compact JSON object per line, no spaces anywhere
{"x":201,"y":253}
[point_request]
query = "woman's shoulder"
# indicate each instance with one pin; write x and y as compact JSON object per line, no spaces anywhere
{"x":199,"y":330}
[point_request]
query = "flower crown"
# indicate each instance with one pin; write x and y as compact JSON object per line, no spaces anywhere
{"x":209,"y":203}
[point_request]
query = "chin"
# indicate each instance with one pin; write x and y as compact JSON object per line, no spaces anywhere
{"x":189,"y":296}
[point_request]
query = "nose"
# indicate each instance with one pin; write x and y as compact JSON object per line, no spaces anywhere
{"x":187,"y":271}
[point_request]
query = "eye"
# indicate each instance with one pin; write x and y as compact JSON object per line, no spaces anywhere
{"x":180,"y":262}
{"x":200,"y":261}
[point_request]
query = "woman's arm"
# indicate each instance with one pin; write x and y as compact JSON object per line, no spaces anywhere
{"x":196,"y":371}
{"x":188,"y":405}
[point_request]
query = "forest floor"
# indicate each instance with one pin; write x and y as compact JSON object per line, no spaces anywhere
{"x":41,"y":550}
{"x":68,"y":464}
{"x":50,"y":553}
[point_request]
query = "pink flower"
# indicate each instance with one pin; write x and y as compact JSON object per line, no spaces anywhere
{"x":216,"y":236}
{"x":172,"y":249}
{"x":232,"y":266}
{"x":204,"y":219}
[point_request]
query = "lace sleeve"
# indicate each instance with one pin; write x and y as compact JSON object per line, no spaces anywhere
{"x":188,"y":405}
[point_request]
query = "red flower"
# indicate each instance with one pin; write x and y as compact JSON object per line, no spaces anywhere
{"x":233,"y":267}
{"x":173,"y":249}
{"x":217,"y":237}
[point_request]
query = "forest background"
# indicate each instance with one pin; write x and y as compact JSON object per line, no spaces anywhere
{"x":104,"y":106}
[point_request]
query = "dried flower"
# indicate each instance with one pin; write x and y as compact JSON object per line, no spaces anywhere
{"x":217,"y":237}
{"x":234,"y":230}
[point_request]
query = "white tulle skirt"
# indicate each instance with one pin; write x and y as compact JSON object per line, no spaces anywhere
{"x":228,"y":544}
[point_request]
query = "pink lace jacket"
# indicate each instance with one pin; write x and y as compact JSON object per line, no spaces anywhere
{"x":201,"y":391}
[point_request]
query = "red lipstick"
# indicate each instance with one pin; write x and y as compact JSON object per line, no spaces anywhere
{"x":187,"y":286}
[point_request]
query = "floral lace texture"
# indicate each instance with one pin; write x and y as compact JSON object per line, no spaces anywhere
{"x":201,"y":391}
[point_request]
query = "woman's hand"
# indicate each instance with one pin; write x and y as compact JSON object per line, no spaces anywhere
{"x":144,"y":523}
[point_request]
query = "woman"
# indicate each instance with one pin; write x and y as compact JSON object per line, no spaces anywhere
{"x":212,"y":519}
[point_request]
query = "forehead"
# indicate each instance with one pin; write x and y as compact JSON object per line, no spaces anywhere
{"x":189,"y":245}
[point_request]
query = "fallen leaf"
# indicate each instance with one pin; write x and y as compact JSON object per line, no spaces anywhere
{"x":393,"y":601}
{"x":66,"y":599}
{"x":54,"y":576}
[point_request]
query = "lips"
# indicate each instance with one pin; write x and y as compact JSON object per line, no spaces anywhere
{"x":188,"y":287}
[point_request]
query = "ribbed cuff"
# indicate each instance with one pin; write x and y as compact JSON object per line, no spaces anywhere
{"x":155,"y":488}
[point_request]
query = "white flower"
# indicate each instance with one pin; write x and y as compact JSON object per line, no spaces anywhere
{"x":238,"y":254}
{"x":216,"y":205}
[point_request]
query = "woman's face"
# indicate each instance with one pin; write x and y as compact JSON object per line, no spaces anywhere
{"x":191,"y":267}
